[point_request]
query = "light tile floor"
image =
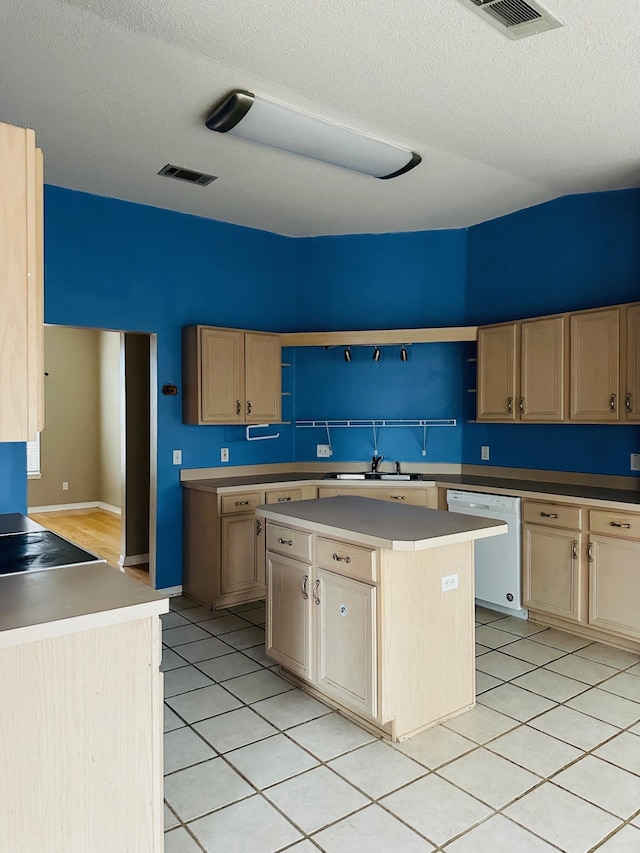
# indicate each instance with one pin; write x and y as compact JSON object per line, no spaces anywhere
{"x":548,"y":760}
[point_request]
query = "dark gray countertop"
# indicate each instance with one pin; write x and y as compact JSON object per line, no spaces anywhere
{"x":15,"y":522}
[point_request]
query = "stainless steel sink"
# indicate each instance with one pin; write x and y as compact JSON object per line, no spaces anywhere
{"x":370,"y":475}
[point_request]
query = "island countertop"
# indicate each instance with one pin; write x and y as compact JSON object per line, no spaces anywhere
{"x":379,"y":524}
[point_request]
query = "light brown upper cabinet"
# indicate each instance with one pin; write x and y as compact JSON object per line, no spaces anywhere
{"x":631,"y":384}
{"x":542,"y":371}
{"x":521,"y":375}
{"x":21,"y":285}
{"x":497,"y":372}
{"x":595,"y":365}
{"x":230,"y":376}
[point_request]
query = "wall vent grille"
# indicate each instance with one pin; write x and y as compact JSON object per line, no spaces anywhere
{"x":189,"y":175}
{"x":515,"y":18}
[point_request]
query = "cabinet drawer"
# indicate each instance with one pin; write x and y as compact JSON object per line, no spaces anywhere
{"x":626,"y":525}
{"x":241,"y":502}
{"x":293,"y":543}
{"x":552,"y":515}
{"x":346,"y":559}
{"x":284,"y":496}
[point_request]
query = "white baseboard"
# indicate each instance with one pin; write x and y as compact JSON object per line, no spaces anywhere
{"x":82,"y":505}
{"x":171,"y":591}
{"x":133,"y":560}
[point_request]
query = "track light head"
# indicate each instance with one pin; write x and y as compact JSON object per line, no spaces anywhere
{"x":376,"y":354}
{"x":347,"y":354}
{"x":404,"y":355}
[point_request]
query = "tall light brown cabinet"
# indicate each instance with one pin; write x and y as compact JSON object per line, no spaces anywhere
{"x":21,"y":285}
{"x":579,"y":367}
{"x":230,"y":376}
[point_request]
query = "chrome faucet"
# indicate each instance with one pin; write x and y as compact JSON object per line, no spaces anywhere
{"x":375,"y":463}
{"x":398,"y":471}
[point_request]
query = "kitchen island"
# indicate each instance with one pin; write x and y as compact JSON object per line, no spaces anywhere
{"x":81,"y":711}
{"x":370,"y":607}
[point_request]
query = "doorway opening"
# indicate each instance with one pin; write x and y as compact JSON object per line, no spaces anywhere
{"x":92,"y":478}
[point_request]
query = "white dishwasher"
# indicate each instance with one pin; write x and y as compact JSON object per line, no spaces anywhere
{"x":497,"y":559}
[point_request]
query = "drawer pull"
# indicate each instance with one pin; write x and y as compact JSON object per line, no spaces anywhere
{"x":339,"y":559}
{"x":243,"y":503}
{"x":522,"y":405}
{"x":282,"y":541}
{"x":238,"y":407}
{"x":549,"y":514}
{"x":624,"y":526}
{"x":258,"y":527}
{"x":284,"y":500}
{"x":398,"y":497}
{"x":590,"y":552}
{"x":612,"y":402}
{"x":305,"y":594}
{"x":510,"y":405}
{"x":316,"y":597}
{"x":574,"y":549}
{"x":249,"y":407}
{"x":627,"y":402}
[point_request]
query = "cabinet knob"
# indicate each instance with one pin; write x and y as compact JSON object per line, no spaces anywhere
{"x":574,"y":549}
{"x":316,"y":597}
{"x":612,"y":402}
{"x":510,"y":405}
{"x":549,"y":514}
{"x":282,"y":541}
{"x":627,"y":402}
{"x":590,"y":552}
{"x":303,"y":586}
{"x":624,"y":526}
{"x":340,"y":559}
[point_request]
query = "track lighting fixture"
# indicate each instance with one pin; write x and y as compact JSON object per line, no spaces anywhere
{"x":376,"y":354}
{"x":347,"y":354}
{"x":404,"y":355}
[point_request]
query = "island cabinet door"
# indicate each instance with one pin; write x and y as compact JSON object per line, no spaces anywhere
{"x":345,"y":634}
{"x":288,"y":623}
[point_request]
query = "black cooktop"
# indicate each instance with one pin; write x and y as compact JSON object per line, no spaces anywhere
{"x":29,"y":552}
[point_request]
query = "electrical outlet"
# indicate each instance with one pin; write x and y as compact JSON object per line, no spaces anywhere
{"x":484,"y":452}
{"x":449,"y":582}
{"x":177,"y":457}
{"x":65,"y":487}
{"x":635,"y":461}
{"x":323,"y":450}
{"x":224,"y":454}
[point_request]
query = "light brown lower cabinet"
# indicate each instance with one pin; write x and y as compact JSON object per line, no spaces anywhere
{"x":365,"y":629}
{"x":242,"y":555}
{"x":587,"y":575}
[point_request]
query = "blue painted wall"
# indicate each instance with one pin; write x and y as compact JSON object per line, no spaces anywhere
{"x":13,"y":479}
{"x":576,"y":252}
{"x":381,"y":281}
{"x":112,"y":264}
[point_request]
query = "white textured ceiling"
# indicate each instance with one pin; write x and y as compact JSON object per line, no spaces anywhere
{"x":117,"y":89}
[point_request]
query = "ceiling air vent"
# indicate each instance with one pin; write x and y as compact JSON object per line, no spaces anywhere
{"x":517,"y":19}
{"x":188,"y":175}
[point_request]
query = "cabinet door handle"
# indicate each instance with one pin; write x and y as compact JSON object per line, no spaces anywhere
{"x":549,"y":514}
{"x":284,"y":500}
{"x":305,"y":594}
{"x":590,"y":552}
{"x":238,"y":407}
{"x":248,"y":407}
{"x":316,"y":597}
{"x":339,"y":559}
{"x":612,"y":402}
{"x":522,"y":405}
{"x":574,"y":549}
{"x":510,"y":405}
{"x":242,"y":503}
{"x":258,"y":527}
{"x":624,"y":526}
{"x":398,"y":497}
{"x":282,"y":541}
{"x":627,"y":402}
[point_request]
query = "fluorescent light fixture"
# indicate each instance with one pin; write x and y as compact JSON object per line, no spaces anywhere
{"x":270,"y":123}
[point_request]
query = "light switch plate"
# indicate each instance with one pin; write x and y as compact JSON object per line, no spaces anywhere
{"x":224,"y":454}
{"x":635,"y":461}
{"x":177,"y":457}
{"x":484,"y":452}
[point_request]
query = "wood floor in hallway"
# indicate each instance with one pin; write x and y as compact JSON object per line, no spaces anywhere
{"x":97,"y":530}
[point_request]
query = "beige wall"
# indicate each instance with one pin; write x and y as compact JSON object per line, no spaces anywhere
{"x":109,"y":450}
{"x":70,"y":439}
